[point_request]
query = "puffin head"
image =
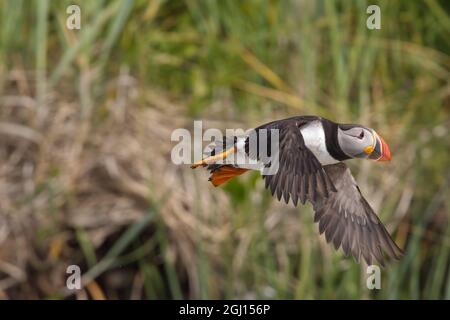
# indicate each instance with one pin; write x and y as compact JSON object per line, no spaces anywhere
{"x":360,"y":142}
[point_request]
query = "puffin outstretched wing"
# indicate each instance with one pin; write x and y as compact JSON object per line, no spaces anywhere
{"x":300,"y":175}
{"x":348,"y":220}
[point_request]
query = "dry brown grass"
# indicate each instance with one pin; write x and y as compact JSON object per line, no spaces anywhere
{"x":101,"y":169}
{"x":67,"y":167}
{"x":97,"y":171}
{"x":85,"y":171}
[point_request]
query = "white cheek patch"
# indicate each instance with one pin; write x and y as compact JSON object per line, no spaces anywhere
{"x":314,"y":137}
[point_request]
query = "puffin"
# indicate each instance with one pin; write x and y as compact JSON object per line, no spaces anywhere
{"x":310,"y":154}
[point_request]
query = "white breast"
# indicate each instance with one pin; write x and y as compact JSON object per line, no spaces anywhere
{"x":314,"y":137}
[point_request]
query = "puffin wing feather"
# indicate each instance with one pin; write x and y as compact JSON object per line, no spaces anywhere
{"x":347,"y":220}
{"x":300,"y":175}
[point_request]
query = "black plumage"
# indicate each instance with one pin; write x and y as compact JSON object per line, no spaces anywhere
{"x":298,"y":167}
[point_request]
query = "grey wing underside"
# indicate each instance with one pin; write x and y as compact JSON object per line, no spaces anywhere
{"x":349,"y":222}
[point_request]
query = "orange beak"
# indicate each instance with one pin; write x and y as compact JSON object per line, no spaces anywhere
{"x":385,"y":151}
{"x":380,"y":151}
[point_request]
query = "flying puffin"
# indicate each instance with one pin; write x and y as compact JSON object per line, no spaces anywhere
{"x":311,"y":152}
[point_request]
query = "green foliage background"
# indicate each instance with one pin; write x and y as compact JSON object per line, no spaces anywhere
{"x":234,"y":64}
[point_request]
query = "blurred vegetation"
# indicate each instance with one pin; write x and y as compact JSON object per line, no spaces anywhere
{"x":85,"y":123}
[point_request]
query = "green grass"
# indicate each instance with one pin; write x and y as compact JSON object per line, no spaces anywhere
{"x":248,"y":62}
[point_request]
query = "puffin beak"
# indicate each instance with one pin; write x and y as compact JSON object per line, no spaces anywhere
{"x":381,"y":151}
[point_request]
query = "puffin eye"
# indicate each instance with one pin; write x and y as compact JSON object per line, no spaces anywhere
{"x":361,"y":135}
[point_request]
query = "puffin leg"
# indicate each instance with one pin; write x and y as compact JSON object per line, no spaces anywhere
{"x":224,"y":174}
{"x":213,"y":159}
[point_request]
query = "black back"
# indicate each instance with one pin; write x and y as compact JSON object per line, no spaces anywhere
{"x":330,"y":129}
